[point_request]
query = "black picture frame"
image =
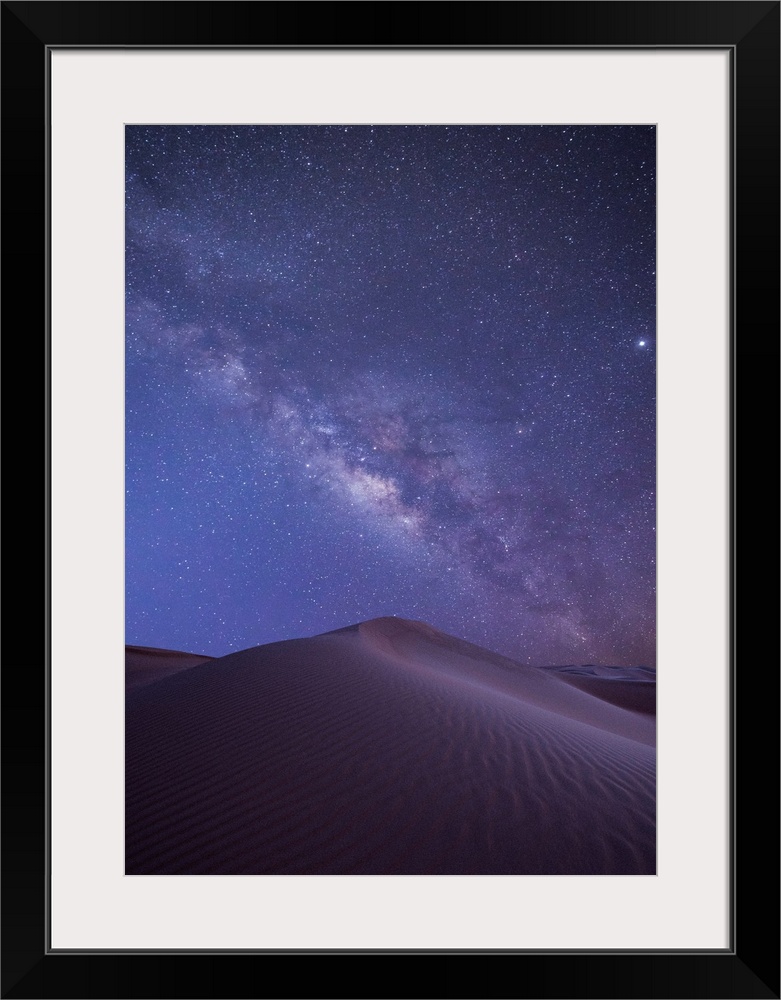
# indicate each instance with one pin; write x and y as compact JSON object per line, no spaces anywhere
{"x":750,"y":966}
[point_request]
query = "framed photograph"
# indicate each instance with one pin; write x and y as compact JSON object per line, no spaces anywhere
{"x":577,"y":213}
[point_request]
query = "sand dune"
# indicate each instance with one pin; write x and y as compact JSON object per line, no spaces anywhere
{"x":385,"y":748}
{"x":146,"y":664}
{"x":629,"y":687}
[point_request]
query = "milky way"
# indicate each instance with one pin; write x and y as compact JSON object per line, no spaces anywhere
{"x":392,"y":370}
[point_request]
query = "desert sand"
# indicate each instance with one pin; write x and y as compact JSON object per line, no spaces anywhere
{"x":146,"y":664}
{"x":387,"y":748}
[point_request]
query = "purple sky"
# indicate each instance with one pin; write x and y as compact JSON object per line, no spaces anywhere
{"x":392,"y":370}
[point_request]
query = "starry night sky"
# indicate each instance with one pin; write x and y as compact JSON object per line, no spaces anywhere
{"x":402,"y":370}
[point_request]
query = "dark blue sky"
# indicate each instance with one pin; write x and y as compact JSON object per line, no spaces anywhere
{"x":392,"y":370}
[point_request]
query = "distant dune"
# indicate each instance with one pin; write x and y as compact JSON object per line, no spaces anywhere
{"x":630,"y":687}
{"x":145,"y":664}
{"x":387,"y":748}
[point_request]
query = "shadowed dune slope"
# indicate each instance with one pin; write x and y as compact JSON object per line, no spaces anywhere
{"x":384,"y":748}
